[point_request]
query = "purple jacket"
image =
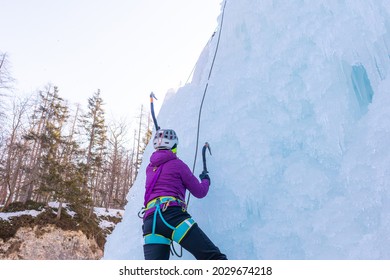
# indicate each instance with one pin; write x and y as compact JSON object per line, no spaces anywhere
{"x":175,"y":178}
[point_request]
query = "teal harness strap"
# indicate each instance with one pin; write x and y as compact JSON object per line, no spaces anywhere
{"x":158,"y":210}
{"x":156,"y":239}
{"x":178,"y":232}
{"x":182,"y":229}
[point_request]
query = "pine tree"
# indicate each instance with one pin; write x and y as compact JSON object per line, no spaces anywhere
{"x":34,"y":138}
{"x":51,"y":167}
{"x":96,"y":132}
{"x":59,"y":176}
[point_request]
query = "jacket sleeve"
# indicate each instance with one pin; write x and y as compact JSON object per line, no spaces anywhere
{"x":196,"y":188}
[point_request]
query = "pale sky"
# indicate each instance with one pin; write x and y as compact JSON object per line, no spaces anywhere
{"x":125,"y":48}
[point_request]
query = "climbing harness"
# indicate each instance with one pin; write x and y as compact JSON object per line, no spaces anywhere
{"x":178,"y":232}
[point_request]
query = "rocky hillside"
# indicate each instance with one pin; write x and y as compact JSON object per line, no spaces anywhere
{"x":32,"y":232}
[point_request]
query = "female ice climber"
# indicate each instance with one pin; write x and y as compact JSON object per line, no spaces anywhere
{"x":165,"y":216}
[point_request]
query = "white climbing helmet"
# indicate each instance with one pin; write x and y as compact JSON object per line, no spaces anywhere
{"x":165,"y":139}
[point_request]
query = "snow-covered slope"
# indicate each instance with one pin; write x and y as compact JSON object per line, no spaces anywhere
{"x":297,"y":116}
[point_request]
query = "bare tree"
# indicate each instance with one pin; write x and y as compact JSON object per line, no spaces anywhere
{"x":144,"y":128}
{"x":5,"y":77}
{"x":6,"y":82}
{"x":14,"y":154}
{"x":116,"y":140}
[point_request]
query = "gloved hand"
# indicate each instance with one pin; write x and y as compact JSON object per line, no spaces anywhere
{"x":204,"y":175}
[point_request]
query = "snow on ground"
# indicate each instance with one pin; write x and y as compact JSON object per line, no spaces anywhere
{"x":100,"y":213}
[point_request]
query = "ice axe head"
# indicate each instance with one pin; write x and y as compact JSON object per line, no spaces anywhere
{"x":207,"y":145}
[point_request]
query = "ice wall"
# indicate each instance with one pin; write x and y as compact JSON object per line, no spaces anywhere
{"x":297,"y":116}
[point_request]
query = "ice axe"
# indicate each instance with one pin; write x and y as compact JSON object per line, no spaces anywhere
{"x":205,"y":146}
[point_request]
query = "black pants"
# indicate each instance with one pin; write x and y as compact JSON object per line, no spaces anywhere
{"x":196,"y":241}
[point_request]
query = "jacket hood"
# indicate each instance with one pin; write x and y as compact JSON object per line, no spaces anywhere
{"x":161,"y":156}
